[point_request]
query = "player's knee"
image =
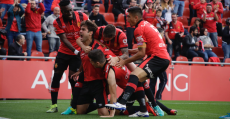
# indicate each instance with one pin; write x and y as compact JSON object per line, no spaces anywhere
{"x":103,"y":112}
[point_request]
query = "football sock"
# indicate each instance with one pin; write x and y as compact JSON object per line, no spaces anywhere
{"x":76,"y":92}
{"x":140,"y":97}
{"x":163,"y":107}
{"x":55,"y":87}
{"x":149,"y":94}
{"x":130,"y":88}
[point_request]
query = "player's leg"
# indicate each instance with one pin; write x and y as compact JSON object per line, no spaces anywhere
{"x":82,"y":109}
{"x":163,"y":81}
{"x":131,"y":66}
{"x":59,"y":67}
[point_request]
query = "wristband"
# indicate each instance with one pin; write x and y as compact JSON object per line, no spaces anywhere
{"x":76,"y":52}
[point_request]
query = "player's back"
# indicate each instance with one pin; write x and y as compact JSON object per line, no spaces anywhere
{"x":146,"y":32}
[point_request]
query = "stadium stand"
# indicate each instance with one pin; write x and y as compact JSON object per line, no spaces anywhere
{"x":198,"y":59}
{"x":45,"y":46}
{"x":109,"y":17}
{"x":181,"y":58}
{"x":227,"y":60}
{"x":121,"y":20}
{"x":184,"y":20}
{"x":186,"y":13}
{"x":37,"y":54}
{"x":52,"y":54}
{"x":110,"y":8}
{"x":226,"y":14}
{"x":101,"y":8}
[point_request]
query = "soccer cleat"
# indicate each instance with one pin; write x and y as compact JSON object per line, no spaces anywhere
{"x":151,"y":109}
{"x":159,"y":111}
{"x":53,"y":108}
{"x":116,"y":106}
{"x":225,"y":117}
{"x":69,"y":111}
{"x":172,"y":112}
{"x":140,"y":114}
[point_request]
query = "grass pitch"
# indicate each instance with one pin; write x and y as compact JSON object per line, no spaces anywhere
{"x":36,"y":109}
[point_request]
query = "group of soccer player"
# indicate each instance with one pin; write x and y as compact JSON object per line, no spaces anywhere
{"x":98,"y":60}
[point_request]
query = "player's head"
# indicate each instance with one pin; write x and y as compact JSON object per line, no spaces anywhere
{"x":193,"y":31}
{"x":88,"y":28}
{"x":32,"y":4}
{"x":96,"y":9}
{"x":109,"y":32}
{"x":174,"y":17}
{"x":133,"y":3}
{"x":158,"y":13}
{"x":97,"y":58}
{"x":134,"y":15}
{"x":161,"y":31}
{"x":20,"y":39}
{"x":66,"y":9}
{"x":209,"y":8}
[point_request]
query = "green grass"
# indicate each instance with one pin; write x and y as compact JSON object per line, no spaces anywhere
{"x":36,"y":109}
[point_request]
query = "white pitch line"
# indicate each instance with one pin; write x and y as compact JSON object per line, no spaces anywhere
{"x":4,"y":118}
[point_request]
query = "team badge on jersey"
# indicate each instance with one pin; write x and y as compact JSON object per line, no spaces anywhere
{"x":56,"y":65}
{"x":178,"y":27}
{"x":78,"y":24}
{"x":36,"y":12}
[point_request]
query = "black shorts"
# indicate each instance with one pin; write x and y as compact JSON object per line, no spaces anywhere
{"x":154,"y":66}
{"x":63,"y":61}
{"x":93,"y":89}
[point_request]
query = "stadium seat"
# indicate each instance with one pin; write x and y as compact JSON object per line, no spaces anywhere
{"x":186,"y":4}
{"x":192,"y":21}
{"x":198,"y":59}
{"x":219,"y":52}
{"x":227,"y":60}
{"x":45,"y":46}
{"x":52,"y":54}
{"x":5,"y":44}
{"x":186,"y":13}
{"x":101,"y":8}
{"x":226,"y":14}
{"x":224,"y":22}
{"x":24,"y":47}
{"x":219,"y":40}
{"x":37,"y":54}
{"x":0,"y":22}
{"x":181,"y":58}
{"x":184,"y":20}
{"x":110,"y":8}
{"x":121,"y":20}
{"x":109,"y":17}
{"x":189,"y":28}
{"x":209,"y":60}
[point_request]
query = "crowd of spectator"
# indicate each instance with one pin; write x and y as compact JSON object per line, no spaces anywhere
{"x":34,"y":19}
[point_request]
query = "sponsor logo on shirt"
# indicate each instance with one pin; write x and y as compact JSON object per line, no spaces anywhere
{"x":72,"y":34}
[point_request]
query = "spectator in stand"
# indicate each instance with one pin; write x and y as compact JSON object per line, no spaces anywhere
{"x":96,"y":17}
{"x":117,"y":7}
{"x":226,"y":39}
{"x":43,"y":18}
{"x":159,"y":21}
{"x":216,"y":5}
{"x":149,"y":12}
{"x":91,"y":2}
{"x":174,"y":29}
{"x":47,"y":4}
{"x":15,"y":49}
{"x":198,"y":24}
{"x":209,"y":18}
{"x":2,"y":41}
{"x":53,"y":39}
{"x":54,"y":4}
{"x":13,"y":27}
{"x":207,"y":43}
{"x":192,"y":10}
{"x":130,"y":29}
{"x":190,"y":45}
{"x":1,"y":11}
{"x":6,"y":4}
{"x":199,"y":7}
{"x":179,"y":7}
{"x":33,"y":25}
{"x":227,"y":4}
{"x":167,"y":6}
{"x":23,"y":22}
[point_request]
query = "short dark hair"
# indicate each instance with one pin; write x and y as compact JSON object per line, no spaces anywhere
{"x":91,"y":26}
{"x":97,"y":55}
{"x":158,"y":10}
{"x":95,"y":6}
{"x":135,"y":11}
{"x":18,"y":37}
{"x":174,"y":14}
{"x":109,"y":31}
{"x":208,"y":5}
{"x":160,"y":30}
{"x":202,"y":31}
{"x":192,"y":29}
{"x":64,"y":3}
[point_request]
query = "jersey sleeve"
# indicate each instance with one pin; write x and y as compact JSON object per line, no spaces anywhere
{"x":167,"y":28}
{"x":96,"y":34}
{"x":139,"y":37}
{"x":123,"y":40}
{"x":106,"y":71}
{"x":85,"y":17}
{"x":57,"y":29}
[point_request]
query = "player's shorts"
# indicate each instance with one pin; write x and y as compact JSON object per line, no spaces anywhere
{"x":63,"y":61}
{"x":93,"y":90}
{"x":154,"y":65}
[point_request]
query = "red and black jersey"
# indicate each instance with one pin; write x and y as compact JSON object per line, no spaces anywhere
{"x":121,"y":74}
{"x":173,"y":29}
{"x":147,"y":33}
{"x":116,"y":44}
{"x":71,"y":31}
{"x":90,"y":72}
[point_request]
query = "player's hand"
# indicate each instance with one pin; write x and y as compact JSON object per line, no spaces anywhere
{"x":48,"y":32}
{"x":43,"y":35}
{"x":87,"y":49}
{"x":113,"y":60}
{"x":75,"y":75}
{"x":121,"y":63}
{"x":216,"y":11}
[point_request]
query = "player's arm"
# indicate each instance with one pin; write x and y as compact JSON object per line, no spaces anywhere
{"x":204,"y":16}
{"x":67,"y":43}
{"x":215,"y":15}
{"x":86,"y":49}
{"x":133,"y":51}
{"x":75,"y":75}
{"x":125,"y":53}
